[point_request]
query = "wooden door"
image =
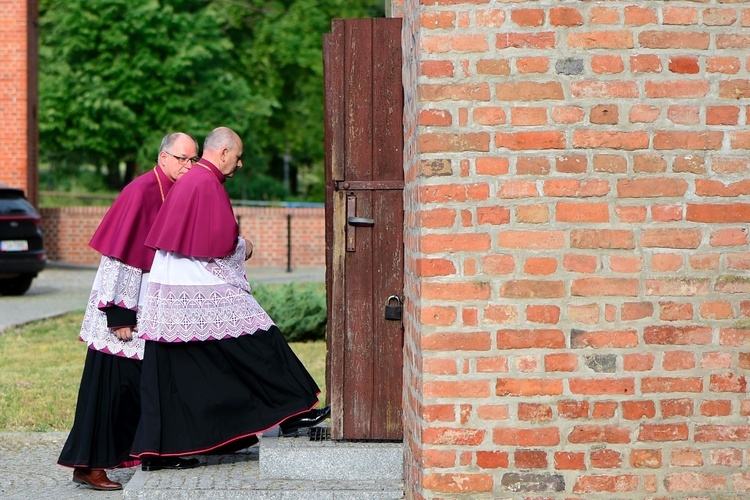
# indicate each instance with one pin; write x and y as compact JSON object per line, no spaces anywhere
{"x":364,"y":226}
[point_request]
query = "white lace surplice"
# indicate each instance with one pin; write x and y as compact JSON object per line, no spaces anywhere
{"x":191,"y":299}
{"x":119,"y":284}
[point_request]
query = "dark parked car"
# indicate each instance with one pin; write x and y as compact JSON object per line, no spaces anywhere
{"x":21,"y":245}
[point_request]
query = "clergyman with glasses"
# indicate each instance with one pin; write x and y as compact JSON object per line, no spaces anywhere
{"x":109,"y":402}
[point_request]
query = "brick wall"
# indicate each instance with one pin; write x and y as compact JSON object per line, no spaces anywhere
{"x":68,"y":231}
{"x":577,"y":285}
{"x":18,"y":95}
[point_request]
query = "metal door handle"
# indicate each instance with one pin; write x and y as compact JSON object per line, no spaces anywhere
{"x":360,"y":221}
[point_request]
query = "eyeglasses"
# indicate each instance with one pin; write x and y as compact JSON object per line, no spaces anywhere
{"x":183,"y":159}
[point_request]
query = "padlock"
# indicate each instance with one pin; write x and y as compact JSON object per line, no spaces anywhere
{"x":393,"y":312}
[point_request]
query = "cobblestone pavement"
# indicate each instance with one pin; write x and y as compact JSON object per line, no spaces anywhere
{"x":29,"y":470}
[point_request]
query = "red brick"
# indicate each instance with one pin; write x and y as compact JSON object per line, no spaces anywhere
{"x":671,"y":384}
{"x":458,"y":482}
{"x":636,"y":15}
{"x":532,"y":289}
{"x":593,"y":139}
{"x":721,"y":433}
{"x":498,"y":264}
{"x":456,"y":291}
{"x":676,"y":407}
{"x":500,"y":314}
{"x":728,"y":382}
{"x":573,"y":409}
{"x":599,"y":434}
{"x":589,"y":287}
{"x":602,"y":386}
{"x":499,"y":67}
{"x":675,"y":311}
{"x":638,"y":362}
{"x":435,"y":143}
{"x":678,"y":360}
{"x":496,"y":215}
{"x":606,"y":89}
{"x":529,"y":65}
{"x":492,"y":166}
{"x":560,"y":363}
{"x":695,"y":481}
{"x":580,"y":263}
{"x":535,"y":40}
{"x":601,"y":39}
{"x":650,"y":459}
{"x":686,"y":457}
{"x":530,"y":140}
{"x":436,"y":69}
{"x":439,"y":413}
{"x":567,"y":114}
{"x":569,"y":460}
{"x":435,"y":117}
{"x":673,"y":39}
{"x":440,"y":366}
{"x":440,"y":44}
{"x":534,"y":412}
{"x":496,"y":364}
{"x":663,"y":432}
{"x":602,"y":238}
{"x":529,"y":91}
{"x":603,"y":15}
{"x":530,"y":339}
{"x":605,"y":459}
{"x":458,"y":341}
{"x":581,"y":212}
{"x":532,"y":239}
{"x":540,"y":436}
{"x":617,"y":339}
{"x":543,"y":314}
{"x":565,"y":16}
{"x":462,"y":389}
{"x":726,"y":457}
{"x":434,"y":243}
{"x":530,"y":459}
{"x":632,"y":311}
{"x":635,"y":410}
{"x":528,"y":387}
{"x":492,"y":459}
{"x":439,"y":459}
{"x":721,"y":408}
{"x":607,"y":64}
{"x":434,"y":20}
{"x":490,"y":18}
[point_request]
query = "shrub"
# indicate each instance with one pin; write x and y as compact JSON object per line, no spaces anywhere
{"x":298,"y":309}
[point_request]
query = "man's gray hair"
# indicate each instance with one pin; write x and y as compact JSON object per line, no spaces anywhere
{"x":220,"y":138}
{"x":169,"y":140}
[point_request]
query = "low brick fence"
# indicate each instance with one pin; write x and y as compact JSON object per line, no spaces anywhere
{"x":67,"y":231}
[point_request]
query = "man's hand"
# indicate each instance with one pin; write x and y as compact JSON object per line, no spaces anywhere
{"x":248,"y":248}
{"x":124,"y":333}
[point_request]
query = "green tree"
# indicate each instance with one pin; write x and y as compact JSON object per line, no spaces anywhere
{"x":279,"y":45}
{"x":117,"y":75}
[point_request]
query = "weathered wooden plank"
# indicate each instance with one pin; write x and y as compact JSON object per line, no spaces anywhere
{"x":333,"y":60}
{"x":387,"y":253}
{"x":358,"y":166}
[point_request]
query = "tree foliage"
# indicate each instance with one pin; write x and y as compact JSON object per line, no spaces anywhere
{"x":117,"y":75}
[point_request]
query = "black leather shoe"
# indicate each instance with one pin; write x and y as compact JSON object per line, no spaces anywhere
{"x":173,"y":463}
{"x":307,"y":419}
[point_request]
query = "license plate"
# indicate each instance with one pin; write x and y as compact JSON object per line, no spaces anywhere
{"x":14,"y":246}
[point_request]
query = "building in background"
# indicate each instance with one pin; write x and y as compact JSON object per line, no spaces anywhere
{"x":18,"y":96}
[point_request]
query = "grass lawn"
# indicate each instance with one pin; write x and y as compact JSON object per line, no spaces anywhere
{"x":41,"y":365}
